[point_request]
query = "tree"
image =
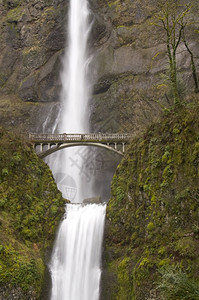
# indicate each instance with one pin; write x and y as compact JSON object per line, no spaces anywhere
{"x":193,"y":66}
{"x":171,"y":17}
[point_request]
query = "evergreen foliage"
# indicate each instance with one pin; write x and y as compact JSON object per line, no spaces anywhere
{"x":30,"y":209}
{"x":176,"y":285}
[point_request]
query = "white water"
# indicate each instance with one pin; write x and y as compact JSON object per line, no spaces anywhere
{"x":67,"y":165}
{"x":76,"y":260}
{"x":75,"y":265}
{"x":75,"y":86}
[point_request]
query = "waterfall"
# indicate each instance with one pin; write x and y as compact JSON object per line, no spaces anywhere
{"x":76,"y":260}
{"x":75,"y":264}
{"x":67,"y":165}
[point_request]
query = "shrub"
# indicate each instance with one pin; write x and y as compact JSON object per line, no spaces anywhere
{"x":176,"y":285}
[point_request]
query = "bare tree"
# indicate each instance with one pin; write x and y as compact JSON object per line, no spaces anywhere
{"x":193,"y":66}
{"x":171,"y":18}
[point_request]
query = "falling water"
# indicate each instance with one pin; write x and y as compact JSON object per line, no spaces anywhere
{"x":76,"y":260}
{"x":67,"y":165}
{"x":75,"y":264}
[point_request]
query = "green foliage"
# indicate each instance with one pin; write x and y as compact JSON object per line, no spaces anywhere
{"x":31,"y":208}
{"x":19,"y":268}
{"x":176,"y":285}
{"x":125,"y":288}
{"x":153,"y":212}
{"x":186,"y":247}
{"x":150,"y":226}
{"x":4,"y":172}
{"x":119,"y":194}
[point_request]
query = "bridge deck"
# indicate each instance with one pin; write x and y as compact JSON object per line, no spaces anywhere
{"x":81,"y":137}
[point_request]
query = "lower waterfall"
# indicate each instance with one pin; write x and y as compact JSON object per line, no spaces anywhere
{"x":75,"y":265}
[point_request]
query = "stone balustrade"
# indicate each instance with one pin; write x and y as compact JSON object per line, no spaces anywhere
{"x":88,"y":137}
{"x":47,"y":143}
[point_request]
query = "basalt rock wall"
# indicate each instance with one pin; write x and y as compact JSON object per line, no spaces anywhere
{"x":32,"y":36}
{"x":131,"y":64}
{"x":32,"y":39}
{"x":128,"y":69}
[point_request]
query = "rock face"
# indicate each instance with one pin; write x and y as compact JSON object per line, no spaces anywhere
{"x":128,"y":69}
{"x":131,"y":61}
{"x":152,"y":216}
{"x":32,"y":39}
{"x":129,"y":72}
{"x":92,"y":200}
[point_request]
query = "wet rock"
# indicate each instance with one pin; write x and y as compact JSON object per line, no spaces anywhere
{"x":93,"y":200}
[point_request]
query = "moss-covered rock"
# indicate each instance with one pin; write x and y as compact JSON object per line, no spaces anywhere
{"x":152,"y":216}
{"x":30,"y":210}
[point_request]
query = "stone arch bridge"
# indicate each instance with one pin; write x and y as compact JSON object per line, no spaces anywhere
{"x":47,"y":143}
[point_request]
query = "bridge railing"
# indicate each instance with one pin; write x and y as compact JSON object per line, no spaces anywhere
{"x":48,"y":137}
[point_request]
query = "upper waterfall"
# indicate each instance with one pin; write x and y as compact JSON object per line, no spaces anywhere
{"x":75,"y":87}
{"x":67,"y":166}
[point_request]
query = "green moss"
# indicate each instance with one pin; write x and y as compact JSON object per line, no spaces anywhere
{"x":15,"y":14}
{"x":31,"y":207}
{"x":154,"y":209}
{"x":186,"y":247}
{"x":150,"y":226}
{"x":164,"y":262}
{"x":114,"y":3}
{"x":124,"y":281}
{"x":21,"y":267}
{"x":29,"y":51}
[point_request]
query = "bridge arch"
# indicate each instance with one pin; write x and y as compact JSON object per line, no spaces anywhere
{"x":115,"y":142}
{"x":45,"y":153}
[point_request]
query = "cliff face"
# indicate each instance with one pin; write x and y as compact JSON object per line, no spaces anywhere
{"x":32,"y":36}
{"x":31,"y":43}
{"x":153,"y":213}
{"x":131,"y":63}
{"x":128,"y":70}
{"x":30,"y":209}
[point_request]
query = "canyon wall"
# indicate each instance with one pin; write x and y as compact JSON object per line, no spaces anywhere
{"x":129,"y":65}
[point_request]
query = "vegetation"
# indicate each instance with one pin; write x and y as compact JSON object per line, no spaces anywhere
{"x":154,"y":209}
{"x":30,"y":209}
{"x":175,"y":284}
{"x":172,"y":17}
{"x":193,"y":65}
